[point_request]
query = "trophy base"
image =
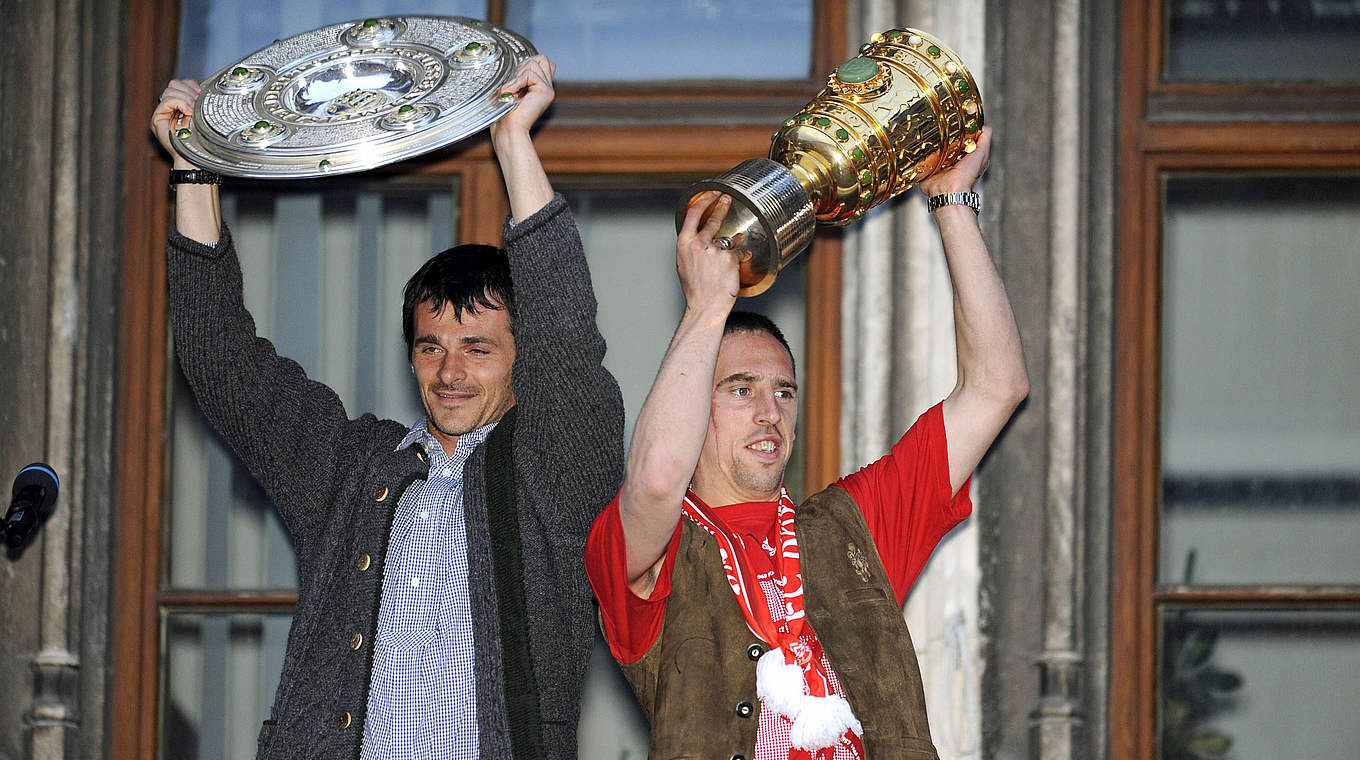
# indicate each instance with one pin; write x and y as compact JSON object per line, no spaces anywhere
{"x":770,"y":222}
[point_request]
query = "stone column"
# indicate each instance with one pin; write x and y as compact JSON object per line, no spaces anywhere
{"x":62,"y":120}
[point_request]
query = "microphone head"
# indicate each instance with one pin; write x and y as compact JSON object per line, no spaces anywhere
{"x":41,"y":475}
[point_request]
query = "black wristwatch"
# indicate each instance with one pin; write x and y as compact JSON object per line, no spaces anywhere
{"x":194,"y":177}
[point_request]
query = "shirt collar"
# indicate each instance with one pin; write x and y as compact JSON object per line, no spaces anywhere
{"x":420,"y":432}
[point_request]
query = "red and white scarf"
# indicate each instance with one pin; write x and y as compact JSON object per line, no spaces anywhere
{"x":789,"y":678}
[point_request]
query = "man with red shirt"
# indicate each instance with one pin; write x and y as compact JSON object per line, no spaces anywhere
{"x":753,"y":628}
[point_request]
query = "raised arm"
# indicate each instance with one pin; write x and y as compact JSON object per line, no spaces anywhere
{"x":991,"y":367}
{"x":673,"y":423}
{"x":198,"y":212}
{"x":525,"y":181}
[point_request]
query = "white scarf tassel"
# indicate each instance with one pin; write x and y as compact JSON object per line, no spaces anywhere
{"x":822,"y":723}
{"x":818,"y":722}
{"x":779,"y":684}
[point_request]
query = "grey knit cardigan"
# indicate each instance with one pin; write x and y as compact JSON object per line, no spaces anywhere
{"x":531,"y":493}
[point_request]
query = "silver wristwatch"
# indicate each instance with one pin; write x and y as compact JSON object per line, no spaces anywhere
{"x":969,"y":199}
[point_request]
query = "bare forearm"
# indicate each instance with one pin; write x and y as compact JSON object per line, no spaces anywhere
{"x":525,"y":180}
{"x":198,"y":210}
{"x":667,"y":439}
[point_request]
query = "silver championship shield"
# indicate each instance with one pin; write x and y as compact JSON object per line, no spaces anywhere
{"x":352,"y":96}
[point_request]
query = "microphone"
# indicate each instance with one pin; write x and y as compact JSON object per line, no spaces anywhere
{"x":35,"y":493}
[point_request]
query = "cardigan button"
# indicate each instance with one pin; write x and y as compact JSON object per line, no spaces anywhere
{"x":745,"y":709}
{"x":380,"y":494}
{"x":356,"y":641}
{"x":755,"y":651}
{"x":343,"y":720}
{"x":364,"y":562}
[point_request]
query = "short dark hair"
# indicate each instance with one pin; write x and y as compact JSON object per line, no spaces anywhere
{"x":748,"y":321}
{"x":467,"y":277}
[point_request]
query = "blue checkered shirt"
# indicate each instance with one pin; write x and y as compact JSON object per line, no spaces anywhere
{"x":422,"y":702}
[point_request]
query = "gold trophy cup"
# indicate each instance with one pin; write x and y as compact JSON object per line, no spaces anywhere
{"x":903,"y":109}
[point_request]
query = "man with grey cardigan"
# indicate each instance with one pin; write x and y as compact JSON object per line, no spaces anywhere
{"x":443,"y":609}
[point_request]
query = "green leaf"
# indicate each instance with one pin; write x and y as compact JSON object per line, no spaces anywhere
{"x":1210,"y":744}
{"x":1199,"y":648}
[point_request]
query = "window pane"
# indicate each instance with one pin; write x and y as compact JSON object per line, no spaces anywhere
{"x":1252,"y":40}
{"x":629,"y":236}
{"x":324,"y":270}
{"x":1270,"y":684}
{"x":626,"y":40}
{"x":215,"y":33}
{"x":1260,"y":405}
{"x":220,"y":674}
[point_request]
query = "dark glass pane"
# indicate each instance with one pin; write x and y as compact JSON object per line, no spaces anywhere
{"x":215,"y":33}
{"x":1260,"y":406}
{"x":221,"y":671}
{"x":1263,"y":40}
{"x":1259,"y":684}
{"x":626,"y":40}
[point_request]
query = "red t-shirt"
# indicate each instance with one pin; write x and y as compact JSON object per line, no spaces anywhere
{"x":905,"y":498}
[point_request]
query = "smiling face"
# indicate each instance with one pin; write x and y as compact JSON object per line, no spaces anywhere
{"x":751,"y":423}
{"x":463,"y":368}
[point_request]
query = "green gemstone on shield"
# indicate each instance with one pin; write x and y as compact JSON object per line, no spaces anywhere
{"x":961,"y":85}
{"x":822,"y":121}
{"x":842,"y":135}
{"x":370,"y":23}
{"x":240,"y":71}
{"x":865,"y":177}
{"x":934,"y":51}
{"x":182,"y":133}
{"x":324,"y":163}
{"x":857,"y":154}
{"x":857,"y":70}
{"x":262,"y":126}
{"x":473,"y":47}
{"x":406,"y":108}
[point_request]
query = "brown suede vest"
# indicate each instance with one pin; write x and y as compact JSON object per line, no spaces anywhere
{"x":697,"y":684}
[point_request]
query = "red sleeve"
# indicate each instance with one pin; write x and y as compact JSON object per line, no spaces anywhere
{"x":906,"y":501}
{"x":631,"y":623}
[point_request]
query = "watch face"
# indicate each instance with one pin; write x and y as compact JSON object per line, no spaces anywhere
{"x":353,"y":96}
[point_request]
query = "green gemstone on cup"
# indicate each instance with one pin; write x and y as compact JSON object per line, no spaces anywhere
{"x":370,"y":23}
{"x":865,"y":177}
{"x":240,"y":71}
{"x":961,"y":85}
{"x":864,"y":48}
{"x":857,"y":70}
{"x":866,"y":196}
{"x":182,"y":133}
{"x":804,"y":118}
{"x":406,"y":108}
{"x":842,"y":135}
{"x":324,"y":163}
{"x":788,"y":122}
{"x":894,"y":35}
{"x":262,"y":126}
{"x":822,"y":121}
{"x":972,"y":126}
{"x":934,"y":51}
{"x":859,"y":214}
{"x":473,"y":47}
{"x":857,"y":154}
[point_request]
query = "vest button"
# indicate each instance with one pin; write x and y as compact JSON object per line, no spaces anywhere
{"x":343,"y":720}
{"x":364,"y":562}
{"x":356,"y":641}
{"x":755,"y":651}
{"x":745,"y":709}
{"x":380,"y":494}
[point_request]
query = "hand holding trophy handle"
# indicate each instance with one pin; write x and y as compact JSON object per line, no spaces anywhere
{"x":902,"y":110}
